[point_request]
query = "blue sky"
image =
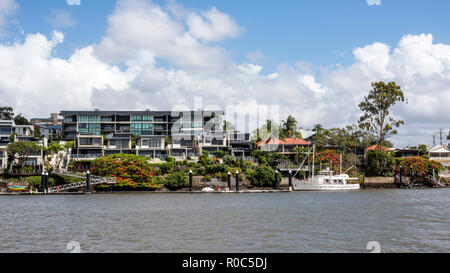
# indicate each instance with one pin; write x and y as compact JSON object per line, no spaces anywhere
{"x":314,"y":59}
{"x":321,"y":32}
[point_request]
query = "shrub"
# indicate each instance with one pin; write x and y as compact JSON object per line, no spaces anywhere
{"x":216,"y":168}
{"x":171,"y":159}
{"x":207,"y":178}
{"x":379,"y":163}
{"x":420,"y":165}
{"x":266,"y":157}
{"x":166,"y":167}
{"x":204,"y":159}
{"x":262,"y":176}
{"x":222,"y":176}
{"x":130,"y":171}
{"x":158,"y":180}
{"x":219,"y":153}
{"x":177,"y":180}
{"x":229,"y":160}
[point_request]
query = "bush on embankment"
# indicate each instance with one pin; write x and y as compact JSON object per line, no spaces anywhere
{"x":379,"y":163}
{"x":177,"y":180}
{"x":131,"y":171}
{"x":262,"y":176}
{"x":53,"y":180}
{"x":419,"y":165}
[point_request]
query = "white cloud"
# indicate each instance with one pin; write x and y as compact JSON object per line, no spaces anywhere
{"x":310,"y":82}
{"x":273,"y":76}
{"x":250,"y":68}
{"x":74,"y":2}
{"x":36,"y":83}
{"x":61,"y":19}
{"x":212,"y":26}
{"x":138,"y":27}
{"x":141,"y":35}
{"x":374,"y":2}
{"x":7,"y":8}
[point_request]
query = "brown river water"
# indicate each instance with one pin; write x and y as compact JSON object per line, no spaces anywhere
{"x":398,"y":220}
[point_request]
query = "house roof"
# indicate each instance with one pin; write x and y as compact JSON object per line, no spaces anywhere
{"x":375,"y":147}
{"x":307,"y":133}
{"x":286,"y":141}
{"x":438,"y":149}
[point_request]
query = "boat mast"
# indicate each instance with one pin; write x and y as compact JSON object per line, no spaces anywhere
{"x":314,"y":152}
{"x":340,"y":164}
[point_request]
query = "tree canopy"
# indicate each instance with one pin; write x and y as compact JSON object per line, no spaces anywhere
{"x":20,"y":120}
{"x":22,"y":151}
{"x":6,"y":113}
{"x":376,"y":119}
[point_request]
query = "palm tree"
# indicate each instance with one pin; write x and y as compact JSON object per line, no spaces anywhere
{"x":269,"y":126}
{"x":289,"y":126}
{"x":317,"y":128}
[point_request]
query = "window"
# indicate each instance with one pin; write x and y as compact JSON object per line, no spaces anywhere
{"x":141,"y":118}
{"x":155,"y":143}
{"x":88,"y":118}
{"x":92,"y":128}
{"x":160,"y":127}
{"x":152,"y":143}
{"x":68,"y":119}
{"x":160,"y":119}
{"x":142,"y":129}
{"x":119,"y":143}
{"x":5,"y":130}
{"x":90,"y":141}
{"x":106,"y":118}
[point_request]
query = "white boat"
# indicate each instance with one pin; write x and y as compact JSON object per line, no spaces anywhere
{"x":325,"y":181}
{"x":208,"y":189}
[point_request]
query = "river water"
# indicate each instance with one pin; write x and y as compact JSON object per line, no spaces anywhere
{"x":399,"y":220}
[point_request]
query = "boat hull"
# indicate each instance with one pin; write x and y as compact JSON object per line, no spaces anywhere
{"x":308,"y":186}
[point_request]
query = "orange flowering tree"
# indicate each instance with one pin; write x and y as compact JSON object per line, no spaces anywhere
{"x":130,"y":171}
{"x":327,"y":156}
{"x":421,"y":166}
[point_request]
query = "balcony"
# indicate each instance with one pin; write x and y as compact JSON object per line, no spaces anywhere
{"x":86,"y":156}
{"x":70,"y":128}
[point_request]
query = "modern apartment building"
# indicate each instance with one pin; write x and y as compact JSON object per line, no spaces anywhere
{"x":20,"y":133}
{"x":155,"y":134}
{"x":6,"y":130}
{"x":241,"y":144}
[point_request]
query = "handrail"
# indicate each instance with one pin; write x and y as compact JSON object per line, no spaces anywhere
{"x":94,"y":180}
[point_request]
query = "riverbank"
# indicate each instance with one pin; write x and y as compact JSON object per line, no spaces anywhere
{"x":148,"y":192}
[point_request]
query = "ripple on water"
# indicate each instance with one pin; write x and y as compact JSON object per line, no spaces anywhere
{"x":402,"y":221}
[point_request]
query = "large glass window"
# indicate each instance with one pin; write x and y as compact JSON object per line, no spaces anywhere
{"x":119,"y":143}
{"x":88,"y":118}
{"x":152,"y":143}
{"x":142,"y":129}
{"x":141,"y":118}
{"x":90,"y":141}
{"x":5,"y":131}
{"x":91,"y":128}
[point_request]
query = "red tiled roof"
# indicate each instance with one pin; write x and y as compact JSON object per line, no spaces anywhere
{"x":286,"y":141}
{"x":375,"y":147}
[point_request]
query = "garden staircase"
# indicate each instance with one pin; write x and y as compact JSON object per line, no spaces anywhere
{"x":94,"y":180}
